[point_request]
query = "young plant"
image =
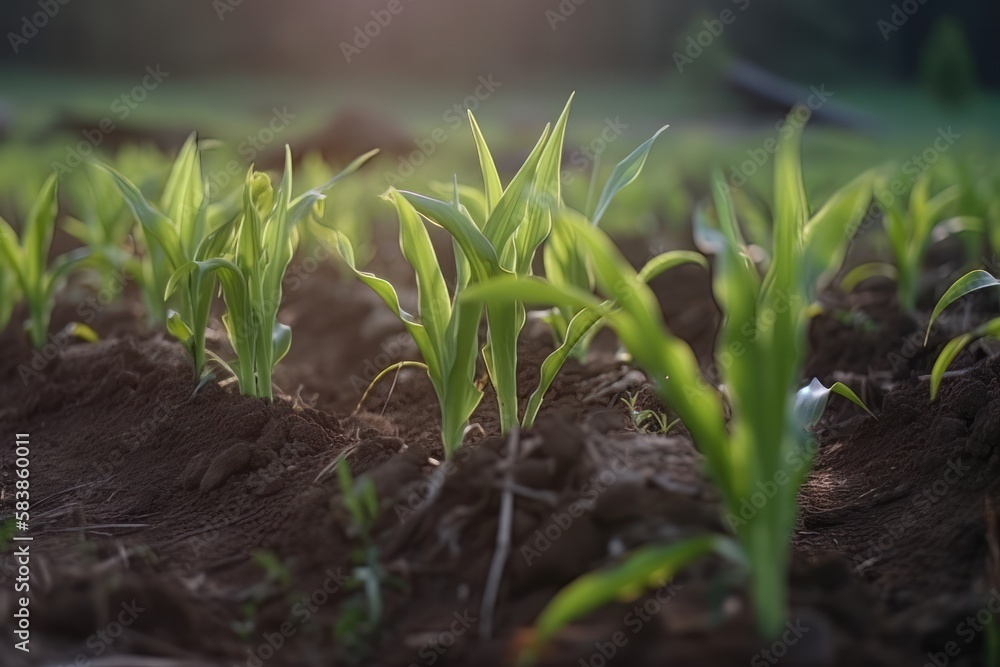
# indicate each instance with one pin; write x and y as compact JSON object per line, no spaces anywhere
{"x":102,"y":221}
{"x":909,"y":227}
{"x":446,"y":332}
{"x":564,"y":261}
{"x":516,"y":221}
{"x":646,"y":420}
{"x":361,"y":615}
{"x":970,"y":282}
{"x":26,"y":261}
{"x":182,"y":228}
{"x":249,"y":256}
{"x":499,"y":233}
{"x":765,"y":442}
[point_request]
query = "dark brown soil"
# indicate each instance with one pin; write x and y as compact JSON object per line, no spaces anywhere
{"x":147,"y":494}
{"x":908,"y":499}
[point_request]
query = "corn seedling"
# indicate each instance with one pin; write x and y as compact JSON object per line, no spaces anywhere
{"x":103,"y":222}
{"x":26,"y":262}
{"x":498,"y":233}
{"x":970,"y":282}
{"x":184,"y":228}
{"x":515,"y":222}
{"x":352,"y":217}
{"x":910,"y":228}
{"x":249,"y":256}
{"x":766,"y":438}
{"x":502,"y":238}
{"x":445,"y":332}
{"x":565,"y":264}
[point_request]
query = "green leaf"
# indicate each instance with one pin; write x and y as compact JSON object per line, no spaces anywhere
{"x":842,"y":389}
{"x":510,"y":210}
{"x":178,"y":328}
{"x":477,"y":247}
{"x":281,"y":342}
{"x":970,"y":282}
{"x":154,"y":224}
{"x":668,"y":260}
{"x":81,"y":331}
{"x":863,"y":272}
{"x":829,"y":231}
{"x":624,"y":173}
{"x":579,"y":328}
{"x":955,"y":346}
{"x":37,"y":233}
{"x":387,"y":293}
{"x":528,"y":290}
{"x":811,"y":400}
{"x":948,"y":355}
{"x":434,"y":306}
{"x":491,"y":179}
{"x":301,"y":205}
{"x":646,"y":568}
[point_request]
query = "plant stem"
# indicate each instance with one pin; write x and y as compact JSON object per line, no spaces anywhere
{"x":38,"y":326}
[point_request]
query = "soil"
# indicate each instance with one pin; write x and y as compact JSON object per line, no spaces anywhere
{"x":205,"y":528}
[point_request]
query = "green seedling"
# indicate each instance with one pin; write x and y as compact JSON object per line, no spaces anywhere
{"x":565,"y":264}
{"x":766,"y":438}
{"x":183,"y":228}
{"x":26,"y":264}
{"x":647,"y":421}
{"x":498,"y":232}
{"x":361,"y":615}
{"x":970,"y":282}
{"x":249,"y":256}
{"x":102,"y":221}
{"x":445,"y":332}
{"x":910,"y":228}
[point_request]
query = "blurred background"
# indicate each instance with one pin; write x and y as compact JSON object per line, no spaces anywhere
{"x":883,"y":79}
